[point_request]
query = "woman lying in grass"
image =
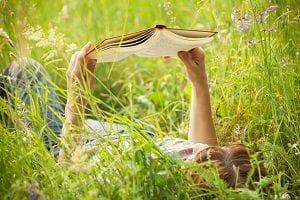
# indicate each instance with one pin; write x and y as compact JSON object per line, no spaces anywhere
{"x":232,"y":161}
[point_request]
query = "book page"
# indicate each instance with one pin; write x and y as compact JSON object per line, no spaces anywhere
{"x":192,"y":33}
{"x":131,"y":42}
{"x":102,"y":53}
{"x":110,"y":55}
{"x":168,"y":44}
{"x":123,"y":38}
{"x":117,"y":51}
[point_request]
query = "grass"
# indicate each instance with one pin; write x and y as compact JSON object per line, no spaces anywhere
{"x":254,"y":84}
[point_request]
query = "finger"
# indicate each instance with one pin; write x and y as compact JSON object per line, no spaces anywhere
{"x":185,"y":57}
{"x":72,"y":62}
{"x":86,"y":48}
{"x":166,"y":57}
{"x":182,"y":54}
{"x":197,"y":54}
{"x":73,"y":58}
{"x":78,"y":62}
{"x":78,"y":65}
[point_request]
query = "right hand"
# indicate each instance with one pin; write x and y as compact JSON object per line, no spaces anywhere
{"x":194,"y":65}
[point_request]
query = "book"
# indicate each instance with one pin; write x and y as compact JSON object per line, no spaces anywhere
{"x":157,"y":41}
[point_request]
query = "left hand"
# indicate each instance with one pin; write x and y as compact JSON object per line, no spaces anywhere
{"x":80,"y":76}
{"x":80,"y":79}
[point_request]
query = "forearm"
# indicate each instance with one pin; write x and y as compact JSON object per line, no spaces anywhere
{"x":73,"y":115}
{"x":80,"y":79}
{"x":201,"y":128}
{"x":73,"y":125}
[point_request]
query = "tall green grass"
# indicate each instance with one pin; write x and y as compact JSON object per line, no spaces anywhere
{"x":254,"y":85}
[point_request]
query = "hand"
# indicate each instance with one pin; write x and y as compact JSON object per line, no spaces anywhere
{"x":80,"y":76}
{"x":201,"y":128}
{"x":194,"y":65}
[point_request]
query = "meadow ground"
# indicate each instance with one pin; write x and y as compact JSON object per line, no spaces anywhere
{"x":253,"y":68}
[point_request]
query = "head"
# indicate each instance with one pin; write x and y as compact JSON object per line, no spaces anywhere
{"x":232,"y":163}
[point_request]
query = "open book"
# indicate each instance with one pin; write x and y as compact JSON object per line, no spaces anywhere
{"x":156,"y":41}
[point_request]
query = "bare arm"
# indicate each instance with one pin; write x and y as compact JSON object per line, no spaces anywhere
{"x":80,"y":79}
{"x":201,"y":127}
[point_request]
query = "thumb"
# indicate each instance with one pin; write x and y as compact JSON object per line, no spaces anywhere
{"x":182,"y":55}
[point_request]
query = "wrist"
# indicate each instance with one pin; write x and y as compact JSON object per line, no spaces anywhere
{"x":200,"y":84}
{"x":76,"y":104}
{"x":73,"y":108}
{"x":74,"y":113}
{"x":200,"y":88}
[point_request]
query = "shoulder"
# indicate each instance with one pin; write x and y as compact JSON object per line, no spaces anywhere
{"x":178,"y":147}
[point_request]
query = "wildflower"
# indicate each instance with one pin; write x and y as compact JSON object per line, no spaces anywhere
{"x":34,"y":33}
{"x":251,"y":42}
{"x":80,"y":161}
{"x":167,"y":8}
{"x":263,"y":14}
{"x":235,"y":13}
{"x":50,"y":39}
{"x":237,"y":130}
{"x":272,"y":8}
{"x":261,"y":17}
{"x":71,"y":47}
{"x":173,"y":20}
{"x":64,"y":12}
{"x":33,"y":195}
{"x":242,"y":22}
{"x":21,"y":109}
{"x":7,"y":78}
{"x":295,"y":148}
{"x":7,"y":38}
{"x":144,"y":100}
{"x":285,"y":196}
{"x":169,"y":12}
{"x":270,"y":29}
{"x":49,"y":55}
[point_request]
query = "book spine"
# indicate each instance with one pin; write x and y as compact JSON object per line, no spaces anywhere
{"x":159,"y":26}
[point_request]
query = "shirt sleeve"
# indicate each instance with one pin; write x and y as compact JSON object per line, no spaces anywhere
{"x":176,"y":147}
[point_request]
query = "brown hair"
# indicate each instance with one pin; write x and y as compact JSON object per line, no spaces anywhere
{"x":232,"y":162}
